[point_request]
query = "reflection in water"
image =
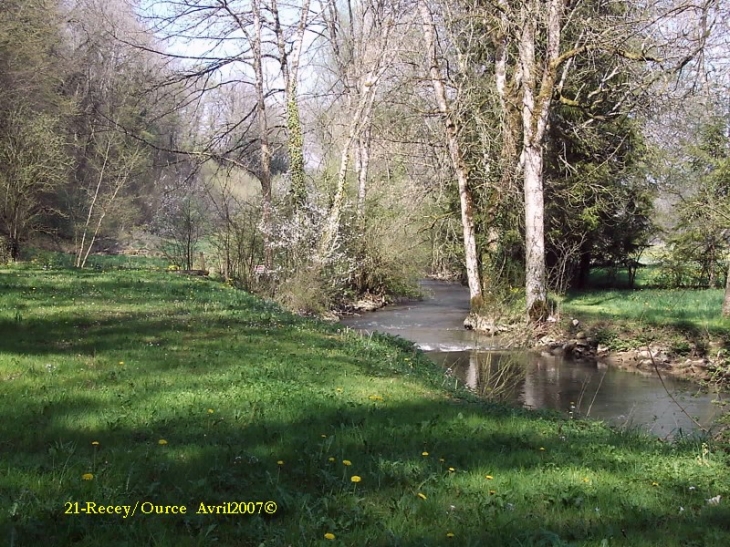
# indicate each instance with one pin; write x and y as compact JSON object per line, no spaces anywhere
{"x":494,"y":376}
{"x":619,"y":397}
{"x":585,"y":389}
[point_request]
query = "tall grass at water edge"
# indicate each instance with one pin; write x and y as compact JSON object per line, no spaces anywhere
{"x":126,"y":387}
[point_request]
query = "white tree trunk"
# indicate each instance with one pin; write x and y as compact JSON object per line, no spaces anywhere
{"x":535,"y":110}
{"x":462,"y":176}
{"x":535,"y":271}
{"x":362,"y":160}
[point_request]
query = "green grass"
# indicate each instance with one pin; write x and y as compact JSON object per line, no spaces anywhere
{"x":257,"y":405}
{"x":680,"y":317}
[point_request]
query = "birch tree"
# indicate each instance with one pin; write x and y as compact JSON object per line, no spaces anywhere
{"x":361,"y":60}
{"x":457,"y":158}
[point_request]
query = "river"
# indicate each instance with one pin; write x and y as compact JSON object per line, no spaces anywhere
{"x":524,"y":378}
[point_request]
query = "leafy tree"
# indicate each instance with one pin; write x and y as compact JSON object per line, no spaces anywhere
{"x":33,"y":157}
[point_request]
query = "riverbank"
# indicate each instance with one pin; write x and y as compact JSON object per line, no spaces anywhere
{"x":679,"y":332}
{"x":132,"y":388}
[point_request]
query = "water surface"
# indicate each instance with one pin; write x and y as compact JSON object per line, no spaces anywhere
{"x":535,"y":381}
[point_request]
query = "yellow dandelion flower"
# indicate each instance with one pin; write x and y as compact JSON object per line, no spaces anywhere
{"x":330,"y":459}
{"x":450,"y":534}
{"x":586,"y":480}
{"x":87,"y":476}
{"x":329,"y":535}
{"x":121,"y":362}
{"x":211,"y":411}
{"x":488,"y":477}
{"x":542,"y":449}
{"x":95,"y":443}
{"x":356,"y":479}
{"x":346,"y":462}
{"x":492,"y":492}
{"x":451,"y":469}
{"x":162,"y":442}
{"x":323,"y":436}
{"x":655,"y":484}
{"x":422,"y":496}
{"x":424,"y":454}
{"x":280,"y":462}
{"x":442,"y":460}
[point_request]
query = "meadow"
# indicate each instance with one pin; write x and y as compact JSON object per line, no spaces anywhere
{"x":686,"y":320}
{"x":129,"y":390}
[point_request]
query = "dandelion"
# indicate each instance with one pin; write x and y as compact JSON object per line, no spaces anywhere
{"x":356,"y":479}
{"x":162,"y":442}
{"x":422,"y":496}
{"x":492,"y":492}
{"x":542,"y":449}
{"x":211,"y":411}
{"x":442,"y":460}
{"x":94,"y":443}
{"x":451,"y":469}
{"x":323,"y":436}
{"x":488,"y":477}
{"x":87,"y":476}
{"x":424,"y":454}
{"x":449,"y":534}
{"x":586,"y":480}
{"x":329,"y":535}
{"x":280,"y":462}
{"x":121,"y":362}
{"x":330,"y":459}
{"x":655,"y":484}
{"x":346,"y":462}
{"x":375,"y":398}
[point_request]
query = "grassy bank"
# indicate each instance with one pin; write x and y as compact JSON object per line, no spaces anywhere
{"x":146,"y":389}
{"x":687,"y":321}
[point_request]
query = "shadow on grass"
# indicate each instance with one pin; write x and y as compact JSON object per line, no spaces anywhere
{"x":200,"y":406}
{"x":236,"y":460}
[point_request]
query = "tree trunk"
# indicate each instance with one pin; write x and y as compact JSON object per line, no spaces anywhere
{"x":290,"y":72}
{"x":535,"y":109}
{"x":362,"y":157}
{"x":265,"y":149}
{"x":535,"y":271}
{"x":726,"y":300}
{"x":462,"y":176}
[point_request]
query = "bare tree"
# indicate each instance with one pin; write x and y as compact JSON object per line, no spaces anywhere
{"x":360,"y":64}
{"x":457,"y":159}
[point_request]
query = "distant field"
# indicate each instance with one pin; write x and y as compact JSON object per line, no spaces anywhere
{"x":140,"y":389}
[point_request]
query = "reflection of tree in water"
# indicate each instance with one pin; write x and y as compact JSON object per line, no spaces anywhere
{"x":495,"y":376}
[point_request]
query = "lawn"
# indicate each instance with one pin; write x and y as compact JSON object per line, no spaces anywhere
{"x":146,"y":392}
{"x":631,"y":318}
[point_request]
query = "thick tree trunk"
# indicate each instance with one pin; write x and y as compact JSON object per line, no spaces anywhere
{"x":535,"y":271}
{"x":535,"y":109}
{"x":462,"y":176}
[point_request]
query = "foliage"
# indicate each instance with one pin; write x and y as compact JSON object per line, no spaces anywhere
{"x":700,"y":239}
{"x":125,"y":387}
{"x":33,"y":156}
